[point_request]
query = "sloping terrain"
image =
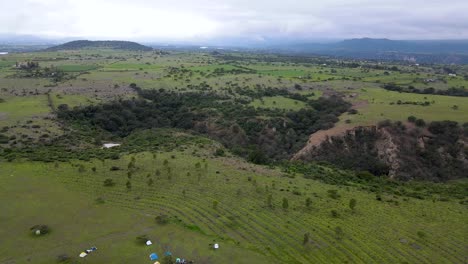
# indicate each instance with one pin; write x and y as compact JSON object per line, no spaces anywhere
{"x":436,"y":153}
{"x":108,"y":44}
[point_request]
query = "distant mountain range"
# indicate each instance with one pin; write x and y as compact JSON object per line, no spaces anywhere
{"x":386,"y":45}
{"x":425,"y":51}
{"x":108,"y":44}
{"x":418,"y":51}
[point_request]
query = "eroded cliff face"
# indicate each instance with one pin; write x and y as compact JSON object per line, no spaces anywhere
{"x":398,"y":151}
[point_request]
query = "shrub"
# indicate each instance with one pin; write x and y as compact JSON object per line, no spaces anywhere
{"x":40,"y":229}
{"x":162,"y":219}
{"x":142,"y":239}
{"x":333,"y":194}
{"x":334,"y":213}
{"x":352,"y":203}
{"x":421,"y":234}
{"x":420,"y":122}
{"x":129,"y":185}
{"x":109,"y":182}
{"x":219,"y":152}
{"x":412,"y":119}
{"x":339,"y":233}
{"x":270,"y":201}
{"x":306,"y":238}
{"x":285,"y":203}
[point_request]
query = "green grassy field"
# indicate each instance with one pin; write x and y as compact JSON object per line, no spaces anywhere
{"x":212,"y":199}
{"x":246,"y":228}
{"x":19,"y":108}
{"x":279,"y":102}
{"x":76,"y":68}
{"x":71,"y":100}
{"x":379,"y":106}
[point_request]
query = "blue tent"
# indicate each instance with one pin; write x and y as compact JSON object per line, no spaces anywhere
{"x":167,"y":253}
{"x":153,"y":256}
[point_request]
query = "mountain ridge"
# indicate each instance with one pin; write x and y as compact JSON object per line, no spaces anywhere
{"x":112,"y":44}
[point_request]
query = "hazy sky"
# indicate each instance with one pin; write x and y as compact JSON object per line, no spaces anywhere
{"x":176,"y":20}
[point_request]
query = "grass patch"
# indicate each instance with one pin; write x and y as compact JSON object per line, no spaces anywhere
{"x":279,"y":102}
{"x":379,"y":107}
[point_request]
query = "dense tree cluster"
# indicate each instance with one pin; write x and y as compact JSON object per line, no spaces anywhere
{"x":262,"y":135}
{"x":437,"y":156}
{"x":453,"y":91}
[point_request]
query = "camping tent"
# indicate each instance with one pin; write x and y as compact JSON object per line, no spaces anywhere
{"x":153,"y":256}
{"x":216,"y":246}
{"x":83,"y":254}
{"x":149,"y":243}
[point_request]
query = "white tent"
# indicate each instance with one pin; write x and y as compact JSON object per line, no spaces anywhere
{"x":216,"y":246}
{"x":110,"y":145}
{"x":148,"y":243}
{"x":83,"y":254}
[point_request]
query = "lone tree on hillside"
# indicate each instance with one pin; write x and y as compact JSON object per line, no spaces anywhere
{"x":306,"y":238}
{"x":352,"y":203}
{"x":129,"y":185}
{"x":270,"y":201}
{"x":339,"y":233}
{"x":150,"y":182}
{"x":109,"y":182}
{"x":285,"y":203}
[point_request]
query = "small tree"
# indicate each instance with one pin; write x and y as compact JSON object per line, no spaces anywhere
{"x":215,"y":204}
{"x":150,"y":182}
{"x":412,"y":119}
{"x":162,"y":219}
{"x":352,"y":203}
{"x":306,"y":238}
{"x":339,"y":233}
{"x":285,"y":203}
{"x":129,"y":185}
{"x":334,"y":213}
{"x":308,"y":202}
{"x":270,"y":201}
{"x":420,"y":123}
{"x":109,"y":182}
{"x":40,"y":229}
{"x":333,"y":194}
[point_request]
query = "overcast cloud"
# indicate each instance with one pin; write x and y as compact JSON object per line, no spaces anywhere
{"x":194,"y":20}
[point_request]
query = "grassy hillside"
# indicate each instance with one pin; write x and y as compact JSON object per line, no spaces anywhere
{"x":380,"y":104}
{"x":107,"y":44}
{"x":220,"y":200}
{"x":55,"y":117}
